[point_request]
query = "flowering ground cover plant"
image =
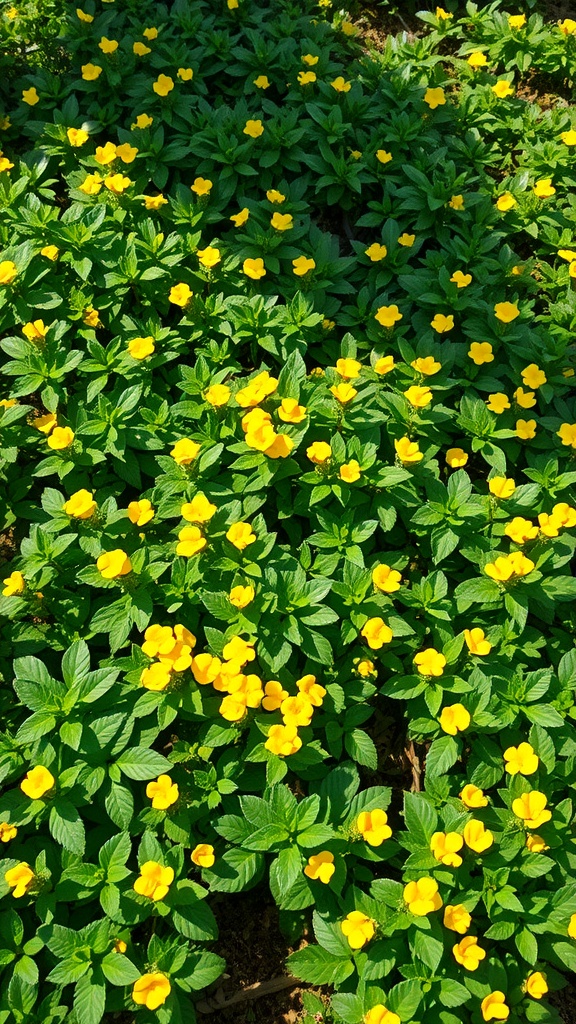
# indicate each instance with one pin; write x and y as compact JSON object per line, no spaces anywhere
{"x":288,"y":440}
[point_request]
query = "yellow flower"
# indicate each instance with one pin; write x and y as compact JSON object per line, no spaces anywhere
{"x":154,"y":202}
{"x":262,"y":82}
{"x":386,"y":579}
{"x":477,"y":60}
{"x":525,"y":429}
{"x":572,"y":927}
{"x":254,"y":268}
{"x":190,"y":541}
{"x":259,"y":388}
{"x":60,"y":438}
{"x":185,"y":74}
{"x":35,"y":331}
{"x":14,"y":584}
{"x":82,"y":16}
{"x":567,"y":27}
{"x":117,"y":183}
{"x":426,"y":365}
{"x":516,"y":20}
{"x":383,"y":156}
{"x":341,"y":85}
{"x":376,"y":633}
{"x":127,"y":153}
{"x":151,"y":990}
{"x":373,"y":826}
{"x":430,"y":662}
{"x":209,"y":257}
{"x":461,"y":280}
{"x":283,"y":740}
{"x":45,"y":423}
{"x":274,"y":196}
{"x":156,"y":677}
{"x":445,"y":845}
{"x":108,"y":45}
{"x":567,"y":434}
{"x":140,"y":512}
{"x":443,"y":15}
{"x":90,"y":72}
{"x":30,"y":96}
{"x":241,"y":535}
{"x":442,"y":324}
{"x":408,"y":451}
{"x":365,"y":667}
{"x":203,"y":855}
{"x":77,"y":136}
{"x":494,"y":1006}
{"x":180,"y":294}
{"x":422,"y":896}
{"x":503,"y":89}
{"x":344,"y":393}
{"x":163,"y":85}
{"x":37,"y":782}
{"x":199,"y":510}
{"x":533,"y":376}
{"x":520,"y":530}
{"x":296,"y":710}
{"x":20,"y":879}
{"x":569,"y":138}
{"x":521,"y":760}
{"x":91,"y":185}
{"x":320,"y":867}
{"x":501,"y":487}
{"x":50,"y":252}
{"x":302,"y":265}
{"x":525,"y":399}
{"x":376,"y":252}
{"x":348,"y":368}
{"x":535,"y":844}
{"x":481,"y":352}
{"x":419,"y":397}
{"x":456,"y":457}
{"x":536,"y":985}
{"x":358,"y":929}
{"x":184,"y":451}
{"x":476,"y":641}
{"x":150,"y":33}
{"x":468,"y":953}
{"x":306,"y":77}
{"x":407,"y":240}
{"x":143,"y":121}
{"x":80,"y":505}
{"x":435,"y":98}
{"x":498,"y":402}
{"x":105,"y":154}
{"x":456,"y":203}
{"x":319,"y":452}
{"x":240,"y":218}
{"x":309,"y":59}
{"x":387,"y":316}
{"x":477,"y":837}
{"x":544,"y":188}
{"x":379,"y":1014}
{"x":7,"y":832}
{"x":311,"y":689}
{"x":349,"y":472}
{"x":154,"y":880}
{"x":506,"y":202}
{"x":112,"y":564}
{"x":253,"y":128}
{"x":290,"y":412}
{"x":7,"y":272}
{"x":275,"y":694}
{"x":282,"y":221}
{"x":531,"y":807}
{"x":163,"y":793}
{"x":140,"y":348}
{"x":564,"y":514}
{"x":454,"y":718}
{"x":473,"y":797}
{"x":241,"y":597}
{"x":140,"y":49}
{"x":457,"y":918}
{"x":232,"y":5}
{"x":91,"y":316}
{"x":508,"y":566}
{"x":8,"y":403}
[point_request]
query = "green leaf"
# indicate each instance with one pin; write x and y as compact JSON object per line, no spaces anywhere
{"x":428,"y":949}
{"x":119,"y":970}
{"x":76,"y":663}
{"x":527,"y":945}
{"x":404,"y":999}
{"x":287,"y":868}
{"x":348,"y":1006}
{"x":442,"y":755}
{"x":89,"y":1000}
{"x":66,"y":826}
{"x":140,"y":763}
{"x":317,"y":966}
{"x":420,"y":817}
{"x":235,"y":871}
{"x":361,"y":748}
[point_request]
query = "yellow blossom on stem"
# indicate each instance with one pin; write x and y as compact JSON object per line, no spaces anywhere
{"x":531,"y":808}
{"x":203,"y":855}
{"x":376,"y":633}
{"x":457,"y":918}
{"x":472,"y":796}
{"x":320,"y":867}
{"x":454,"y":719}
{"x":476,"y":641}
{"x":477,"y":837}
{"x":430,"y":662}
{"x":14,"y":584}
{"x":456,"y":458}
{"x":20,"y":879}
{"x":468,"y":953}
{"x":373,"y":826}
{"x":37,"y":782}
{"x":163,"y":793}
{"x":151,"y":990}
{"x":445,"y":845}
{"x":422,"y":896}
{"x":358,"y":929}
{"x":521,"y":760}
{"x":493,"y":1006}
{"x":408,"y":451}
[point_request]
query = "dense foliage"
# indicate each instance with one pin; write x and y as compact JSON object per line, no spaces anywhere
{"x":288,"y":444}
